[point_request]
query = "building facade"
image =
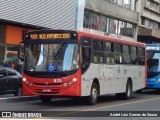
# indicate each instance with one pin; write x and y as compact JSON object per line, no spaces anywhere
{"x":115,"y":18}
{"x":149,"y":24}
{"x":17,"y":16}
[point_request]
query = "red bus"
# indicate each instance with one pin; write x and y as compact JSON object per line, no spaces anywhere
{"x":66,"y":63}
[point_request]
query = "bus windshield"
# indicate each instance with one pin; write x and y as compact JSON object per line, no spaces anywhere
{"x":54,"y":57}
{"x":153,"y":61}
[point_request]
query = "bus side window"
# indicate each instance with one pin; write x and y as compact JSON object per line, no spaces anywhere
{"x":133,"y":50}
{"x":126,"y":54}
{"x":98,"y":55}
{"x":108,"y":49}
{"x":118,"y":53}
{"x":109,"y":58}
{"x":85,"y":58}
{"x":118,"y":59}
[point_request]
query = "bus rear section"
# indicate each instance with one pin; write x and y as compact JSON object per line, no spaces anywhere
{"x":112,"y":66}
{"x":153,"y":66}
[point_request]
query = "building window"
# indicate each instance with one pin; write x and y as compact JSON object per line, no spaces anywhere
{"x":152,"y":5}
{"x":107,"y":24}
{"x":152,"y":24}
{"x":103,"y":23}
{"x":124,"y":3}
{"x":113,"y":26}
{"x":86,"y":19}
{"x":127,"y":4}
{"x":126,"y":29}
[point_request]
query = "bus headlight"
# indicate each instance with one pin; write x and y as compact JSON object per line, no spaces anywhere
{"x":158,"y":80}
{"x":74,"y":79}
{"x":24,"y":79}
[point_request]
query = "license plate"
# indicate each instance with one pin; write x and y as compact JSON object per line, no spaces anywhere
{"x":47,"y":90}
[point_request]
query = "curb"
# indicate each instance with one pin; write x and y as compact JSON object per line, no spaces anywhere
{"x":18,"y":99}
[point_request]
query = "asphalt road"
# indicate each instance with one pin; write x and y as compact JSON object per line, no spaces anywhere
{"x":148,"y":102}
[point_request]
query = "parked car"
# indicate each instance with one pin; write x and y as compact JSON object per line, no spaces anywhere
{"x":10,"y":81}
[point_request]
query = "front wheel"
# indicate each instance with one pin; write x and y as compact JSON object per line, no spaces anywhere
{"x":45,"y":99}
{"x":92,"y":99}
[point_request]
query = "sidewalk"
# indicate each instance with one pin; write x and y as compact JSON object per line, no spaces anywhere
{"x":12,"y":98}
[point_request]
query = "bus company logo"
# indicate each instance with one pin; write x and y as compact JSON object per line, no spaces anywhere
{"x":6,"y":114}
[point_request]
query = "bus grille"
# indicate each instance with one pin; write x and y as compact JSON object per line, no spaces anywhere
{"x":49,"y":84}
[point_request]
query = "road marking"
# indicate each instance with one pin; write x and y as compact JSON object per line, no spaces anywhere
{"x":129,"y":103}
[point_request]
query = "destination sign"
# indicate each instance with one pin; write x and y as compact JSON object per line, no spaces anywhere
{"x":153,"y":48}
{"x":50,"y":36}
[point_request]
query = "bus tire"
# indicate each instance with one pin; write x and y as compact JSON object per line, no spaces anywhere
{"x":128,"y":93}
{"x":92,"y":99}
{"x":45,"y":99}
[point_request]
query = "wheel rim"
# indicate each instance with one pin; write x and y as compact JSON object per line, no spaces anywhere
{"x":94,"y":94}
{"x":129,"y":90}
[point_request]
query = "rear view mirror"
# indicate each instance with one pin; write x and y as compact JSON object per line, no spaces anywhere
{"x":21,"y":51}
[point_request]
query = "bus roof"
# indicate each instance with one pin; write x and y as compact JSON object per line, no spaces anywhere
{"x":112,"y":38}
